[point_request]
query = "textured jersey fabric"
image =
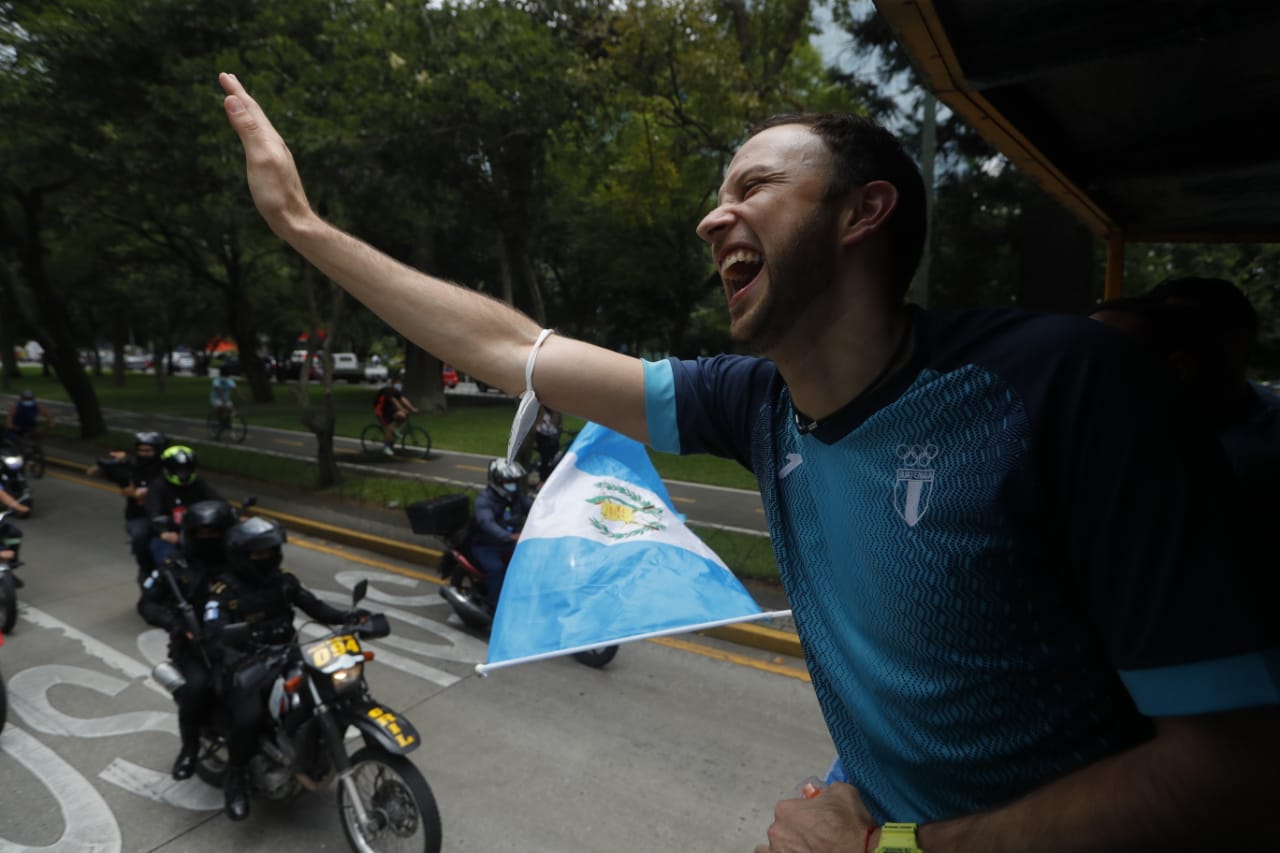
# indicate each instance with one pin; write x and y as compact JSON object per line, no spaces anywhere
{"x":982,"y":554}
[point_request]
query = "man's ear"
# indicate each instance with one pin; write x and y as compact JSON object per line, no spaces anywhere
{"x":868,"y":208}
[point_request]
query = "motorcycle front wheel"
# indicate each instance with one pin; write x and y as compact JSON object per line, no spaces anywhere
{"x":8,"y":602}
{"x":397,"y":801}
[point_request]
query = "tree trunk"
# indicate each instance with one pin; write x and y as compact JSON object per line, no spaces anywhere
{"x":161,"y":359}
{"x":117,"y":356}
{"x":8,"y":331}
{"x":422,"y":382}
{"x":60,"y":348}
{"x":245,"y":332}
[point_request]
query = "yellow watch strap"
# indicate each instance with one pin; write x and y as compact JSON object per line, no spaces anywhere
{"x":898,"y":838}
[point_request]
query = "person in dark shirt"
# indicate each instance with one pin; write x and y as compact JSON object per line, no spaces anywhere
{"x":254,"y":591}
{"x":173,"y":597}
{"x":1003,"y":559}
{"x":134,"y":476}
{"x":497,"y":519}
{"x":168,"y":497}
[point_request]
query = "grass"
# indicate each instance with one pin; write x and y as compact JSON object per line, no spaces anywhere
{"x":472,"y":424}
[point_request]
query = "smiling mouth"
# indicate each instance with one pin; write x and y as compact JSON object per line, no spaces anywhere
{"x":739,"y":269}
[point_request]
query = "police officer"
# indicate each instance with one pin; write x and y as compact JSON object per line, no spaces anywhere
{"x":498,"y":518}
{"x":255,"y":591}
{"x":134,"y":477}
{"x":173,"y":597}
{"x":169,"y":497}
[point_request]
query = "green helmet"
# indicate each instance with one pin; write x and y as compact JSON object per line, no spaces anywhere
{"x":178,"y":463}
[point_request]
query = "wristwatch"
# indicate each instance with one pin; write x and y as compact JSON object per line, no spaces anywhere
{"x":898,"y":838}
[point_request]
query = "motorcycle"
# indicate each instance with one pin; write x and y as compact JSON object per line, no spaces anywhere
{"x":13,"y":477}
{"x":314,"y":691}
{"x":10,"y":583}
{"x":448,"y":518}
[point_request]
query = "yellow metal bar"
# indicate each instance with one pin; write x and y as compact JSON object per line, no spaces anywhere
{"x":1114,"y":285}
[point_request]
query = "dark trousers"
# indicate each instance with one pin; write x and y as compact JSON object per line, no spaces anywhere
{"x":492,"y":560}
{"x":548,"y":446}
{"x":245,"y":708}
{"x":194,"y":698}
{"x":139,"y":530}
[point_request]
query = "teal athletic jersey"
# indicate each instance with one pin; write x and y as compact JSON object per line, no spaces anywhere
{"x":989,"y":559}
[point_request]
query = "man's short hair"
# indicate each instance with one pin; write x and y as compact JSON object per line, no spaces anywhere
{"x":863,"y":152}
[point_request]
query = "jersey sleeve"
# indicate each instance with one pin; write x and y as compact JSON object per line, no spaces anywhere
{"x":707,"y":405}
{"x":1146,"y":508}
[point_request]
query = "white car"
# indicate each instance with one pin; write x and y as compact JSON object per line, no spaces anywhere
{"x":375,"y":373}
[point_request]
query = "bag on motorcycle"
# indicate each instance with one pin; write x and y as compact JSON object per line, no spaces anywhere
{"x":440,"y":516}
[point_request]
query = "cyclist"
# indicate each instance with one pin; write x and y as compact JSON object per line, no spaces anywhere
{"x":221,"y":391}
{"x":24,"y":417}
{"x":392,"y":408}
{"x":168,"y":498}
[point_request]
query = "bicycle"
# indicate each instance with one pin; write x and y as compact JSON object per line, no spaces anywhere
{"x":411,"y":439}
{"x":225,"y":419}
{"x":29,"y":447}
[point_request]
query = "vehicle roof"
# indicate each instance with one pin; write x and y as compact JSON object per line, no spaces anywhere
{"x":1148,"y":119}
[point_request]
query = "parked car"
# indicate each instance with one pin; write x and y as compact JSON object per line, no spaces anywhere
{"x":347,"y":367}
{"x":179,"y":360}
{"x":376,"y":373}
{"x":448,"y":376}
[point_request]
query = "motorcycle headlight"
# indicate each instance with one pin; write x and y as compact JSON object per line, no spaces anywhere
{"x":13,"y":463}
{"x":348,"y":679}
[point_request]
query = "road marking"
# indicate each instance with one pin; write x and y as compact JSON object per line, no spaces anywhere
{"x":472,"y":468}
{"x":675,"y":499}
{"x":730,"y":657}
{"x":289,"y":443}
{"x":356,"y":558}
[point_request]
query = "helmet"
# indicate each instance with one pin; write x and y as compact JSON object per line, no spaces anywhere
{"x":179,"y":465}
{"x":203,"y":527}
{"x":504,"y":476}
{"x":150,"y":438}
{"x":255,"y":548}
{"x":28,"y":394}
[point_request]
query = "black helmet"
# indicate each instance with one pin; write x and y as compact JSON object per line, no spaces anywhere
{"x":204,"y":526}
{"x":179,"y":465}
{"x":151,"y":438}
{"x":255,"y":547}
{"x":503,"y":474}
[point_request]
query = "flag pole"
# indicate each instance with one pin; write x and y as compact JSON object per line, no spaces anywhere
{"x":486,"y":668}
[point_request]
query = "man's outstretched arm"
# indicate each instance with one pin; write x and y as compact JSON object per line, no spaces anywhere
{"x":479,"y":335}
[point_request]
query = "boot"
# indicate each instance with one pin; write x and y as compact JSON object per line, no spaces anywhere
{"x":236,"y":789}
{"x":185,"y":765}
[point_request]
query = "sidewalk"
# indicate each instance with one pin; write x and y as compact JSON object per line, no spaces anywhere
{"x":387,"y":532}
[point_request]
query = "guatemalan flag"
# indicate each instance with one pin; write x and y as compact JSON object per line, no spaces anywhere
{"x":604,"y":558}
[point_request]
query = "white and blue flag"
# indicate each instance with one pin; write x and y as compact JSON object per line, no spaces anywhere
{"x":604,"y":558}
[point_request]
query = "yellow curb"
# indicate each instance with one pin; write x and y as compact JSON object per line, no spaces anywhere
{"x":753,"y":636}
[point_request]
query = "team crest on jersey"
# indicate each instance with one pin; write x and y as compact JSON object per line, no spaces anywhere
{"x":914,"y":485}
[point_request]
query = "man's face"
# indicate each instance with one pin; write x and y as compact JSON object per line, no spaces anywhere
{"x":772,"y":235}
{"x":146,"y":452}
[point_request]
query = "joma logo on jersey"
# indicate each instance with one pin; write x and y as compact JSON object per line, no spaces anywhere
{"x":914,"y":485}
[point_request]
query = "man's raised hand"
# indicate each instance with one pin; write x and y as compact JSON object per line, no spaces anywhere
{"x":273,"y":177}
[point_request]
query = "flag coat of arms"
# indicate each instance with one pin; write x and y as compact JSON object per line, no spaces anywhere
{"x":604,"y":558}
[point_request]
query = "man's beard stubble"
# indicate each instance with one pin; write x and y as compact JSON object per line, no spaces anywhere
{"x":797,"y":275}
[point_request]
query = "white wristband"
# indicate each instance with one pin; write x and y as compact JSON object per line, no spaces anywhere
{"x":527,"y":411}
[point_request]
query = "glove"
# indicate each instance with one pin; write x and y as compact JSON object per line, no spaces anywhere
{"x":357,"y":616}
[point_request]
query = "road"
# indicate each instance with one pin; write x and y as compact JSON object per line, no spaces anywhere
{"x":734,"y":509}
{"x":679,"y":744}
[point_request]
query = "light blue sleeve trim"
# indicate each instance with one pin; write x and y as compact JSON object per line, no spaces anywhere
{"x":660,"y":406}
{"x":1224,"y":684}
